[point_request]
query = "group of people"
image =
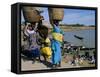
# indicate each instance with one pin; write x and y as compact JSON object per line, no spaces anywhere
{"x":39,"y":42}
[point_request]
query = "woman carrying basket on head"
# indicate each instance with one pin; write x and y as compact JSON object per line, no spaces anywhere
{"x":56,"y":45}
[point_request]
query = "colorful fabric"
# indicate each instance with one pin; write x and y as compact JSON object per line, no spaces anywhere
{"x":57,"y":36}
{"x":55,"y":45}
{"x":46,"y":51}
{"x":47,"y":40}
{"x":32,"y":53}
{"x":35,"y":52}
{"x":56,"y":52}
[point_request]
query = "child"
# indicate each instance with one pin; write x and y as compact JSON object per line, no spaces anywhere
{"x":45,"y":49}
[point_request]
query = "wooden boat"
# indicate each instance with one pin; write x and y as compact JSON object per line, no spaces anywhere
{"x":81,"y":38}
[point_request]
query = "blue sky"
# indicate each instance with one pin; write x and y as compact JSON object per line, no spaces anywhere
{"x":74,"y":16}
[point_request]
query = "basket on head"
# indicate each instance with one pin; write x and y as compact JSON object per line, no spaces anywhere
{"x":31,"y":14}
{"x":56,"y":14}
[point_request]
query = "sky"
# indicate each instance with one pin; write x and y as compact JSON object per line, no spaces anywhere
{"x":73,"y":16}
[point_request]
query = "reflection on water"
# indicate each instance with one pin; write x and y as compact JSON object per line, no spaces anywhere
{"x":88,"y":35}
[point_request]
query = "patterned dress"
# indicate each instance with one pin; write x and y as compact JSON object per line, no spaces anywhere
{"x":33,"y":46}
{"x":56,"y":45}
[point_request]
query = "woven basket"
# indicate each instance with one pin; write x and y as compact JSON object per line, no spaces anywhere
{"x":56,"y":14}
{"x":31,"y":14}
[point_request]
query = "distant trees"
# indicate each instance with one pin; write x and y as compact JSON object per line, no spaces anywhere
{"x":92,"y":25}
{"x":76,"y":25}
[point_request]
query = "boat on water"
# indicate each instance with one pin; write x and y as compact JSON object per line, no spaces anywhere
{"x":78,"y":37}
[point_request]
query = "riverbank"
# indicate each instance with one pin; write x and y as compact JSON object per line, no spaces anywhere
{"x":65,"y":63}
{"x":67,"y":28}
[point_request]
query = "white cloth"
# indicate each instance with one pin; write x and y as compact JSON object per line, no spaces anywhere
{"x":30,"y":31}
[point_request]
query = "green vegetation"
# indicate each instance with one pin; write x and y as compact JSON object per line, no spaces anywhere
{"x":75,"y":25}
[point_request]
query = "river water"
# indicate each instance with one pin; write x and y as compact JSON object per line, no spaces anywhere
{"x":87,"y":35}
